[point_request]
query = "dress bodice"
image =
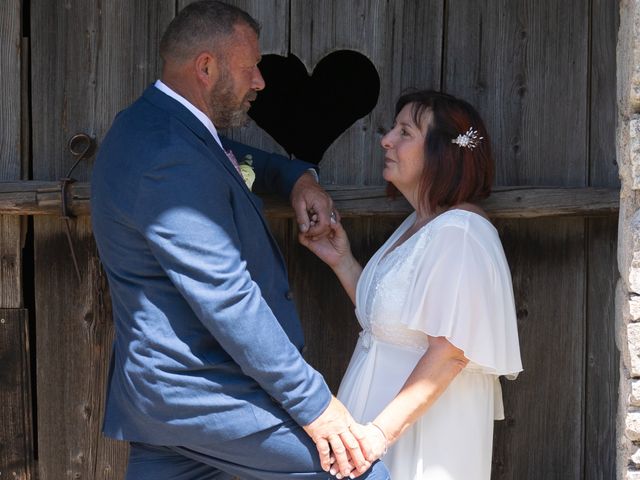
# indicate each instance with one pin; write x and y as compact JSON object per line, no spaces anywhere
{"x":387,"y":293}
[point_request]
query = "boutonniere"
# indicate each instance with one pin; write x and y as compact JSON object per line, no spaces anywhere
{"x":246,"y":170}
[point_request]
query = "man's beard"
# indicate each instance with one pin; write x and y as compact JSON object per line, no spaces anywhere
{"x":227,"y":111}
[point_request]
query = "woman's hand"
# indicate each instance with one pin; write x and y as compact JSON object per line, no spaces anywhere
{"x":333,"y":249}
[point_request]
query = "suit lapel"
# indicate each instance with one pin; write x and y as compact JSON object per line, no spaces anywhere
{"x":173,"y":107}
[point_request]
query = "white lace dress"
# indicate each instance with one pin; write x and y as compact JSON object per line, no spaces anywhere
{"x":449,"y":279}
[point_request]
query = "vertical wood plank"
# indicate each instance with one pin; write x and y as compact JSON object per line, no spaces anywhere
{"x":88,"y":63}
{"x":16,"y":444}
{"x":602,"y":362}
{"x":602,"y":375}
{"x":10,"y":148}
{"x":605,"y":23}
{"x":16,"y":435}
{"x":404,"y":42}
{"x":542,"y":434}
{"x":524,"y":65}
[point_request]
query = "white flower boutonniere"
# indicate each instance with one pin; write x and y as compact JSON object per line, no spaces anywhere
{"x":246,"y":170}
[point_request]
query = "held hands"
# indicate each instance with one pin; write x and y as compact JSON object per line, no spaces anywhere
{"x":313,"y":207}
{"x":333,"y":249}
{"x":338,"y":448}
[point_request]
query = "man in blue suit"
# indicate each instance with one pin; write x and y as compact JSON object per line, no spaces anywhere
{"x":207,"y":379}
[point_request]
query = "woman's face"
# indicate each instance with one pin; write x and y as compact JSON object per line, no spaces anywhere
{"x":404,"y":156}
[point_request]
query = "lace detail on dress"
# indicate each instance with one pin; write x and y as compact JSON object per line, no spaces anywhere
{"x":387,"y":294}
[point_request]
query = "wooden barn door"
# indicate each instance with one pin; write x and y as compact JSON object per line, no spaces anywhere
{"x":540,"y":72}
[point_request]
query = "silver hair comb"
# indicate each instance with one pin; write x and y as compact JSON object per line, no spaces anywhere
{"x":470,"y":139}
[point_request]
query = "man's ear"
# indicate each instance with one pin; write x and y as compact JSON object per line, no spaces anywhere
{"x":207,"y":69}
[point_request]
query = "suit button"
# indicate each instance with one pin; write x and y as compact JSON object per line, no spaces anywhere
{"x":288,"y":295}
{"x":303,"y":352}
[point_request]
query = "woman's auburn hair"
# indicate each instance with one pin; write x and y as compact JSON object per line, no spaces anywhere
{"x":452,"y":174}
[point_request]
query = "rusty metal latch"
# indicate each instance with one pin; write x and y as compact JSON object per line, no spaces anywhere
{"x":81,"y":147}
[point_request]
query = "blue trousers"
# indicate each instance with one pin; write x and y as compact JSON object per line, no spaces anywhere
{"x":282,"y":452}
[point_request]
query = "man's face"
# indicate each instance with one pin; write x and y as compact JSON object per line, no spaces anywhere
{"x":239,"y":80}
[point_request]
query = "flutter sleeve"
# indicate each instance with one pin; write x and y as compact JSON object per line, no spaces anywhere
{"x":462,"y":291}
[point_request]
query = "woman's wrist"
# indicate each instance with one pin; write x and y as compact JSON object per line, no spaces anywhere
{"x":384,"y":437}
{"x":347,"y":264}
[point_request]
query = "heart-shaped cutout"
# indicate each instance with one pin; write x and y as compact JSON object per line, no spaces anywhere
{"x":307,"y":113}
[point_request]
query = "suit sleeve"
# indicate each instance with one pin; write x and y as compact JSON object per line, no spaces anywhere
{"x":185,"y":212}
{"x":274,"y":173}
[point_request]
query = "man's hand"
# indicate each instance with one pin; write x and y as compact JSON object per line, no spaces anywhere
{"x":331,"y":434}
{"x":313,"y":207}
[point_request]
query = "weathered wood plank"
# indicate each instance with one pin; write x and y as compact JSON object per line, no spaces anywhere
{"x":404,"y":42}
{"x":16,"y":443}
{"x":10,"y":90}
{"x":542,"y":434}
{"x":16,"y":433}
{"x":88,"y":63}
{"x":43,"y":198}
{"x":10,"y":149}
{"x":523,"y":64}
{"x":73,"y":346}
{"x":10,"y":262}
{"x":602,"y":362}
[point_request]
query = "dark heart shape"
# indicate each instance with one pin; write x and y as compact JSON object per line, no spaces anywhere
{"x":306,"y":114}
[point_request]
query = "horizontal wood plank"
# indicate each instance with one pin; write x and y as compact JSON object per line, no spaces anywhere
{"x":43,"y":198}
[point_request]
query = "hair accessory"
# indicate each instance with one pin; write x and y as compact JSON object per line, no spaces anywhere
{"x":468,"y":140}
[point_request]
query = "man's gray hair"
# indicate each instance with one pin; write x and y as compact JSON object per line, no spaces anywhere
{"x":202,"y":24}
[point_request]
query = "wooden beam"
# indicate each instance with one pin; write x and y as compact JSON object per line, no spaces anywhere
{"x":43,"y":198}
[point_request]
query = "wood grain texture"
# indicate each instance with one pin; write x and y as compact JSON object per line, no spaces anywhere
{"x":16,"y":441}
{"x":602,"y":362}
{"x":11,"y":262}
{"x":16,"y":431}
{"x":10,"y":149}
{"x":404,"y":42}
{"x":44,"y":198}
{"x":10,"y":89}
{"x":73,"y":345}
{"x":542,"y":436}
{"x":88,"y":62}
{"x":524,"y":66}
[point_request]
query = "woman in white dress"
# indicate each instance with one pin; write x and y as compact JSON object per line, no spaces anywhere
{"x":435,"y":302}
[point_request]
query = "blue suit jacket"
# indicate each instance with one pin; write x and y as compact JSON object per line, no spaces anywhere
{"x":207,"y":340}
